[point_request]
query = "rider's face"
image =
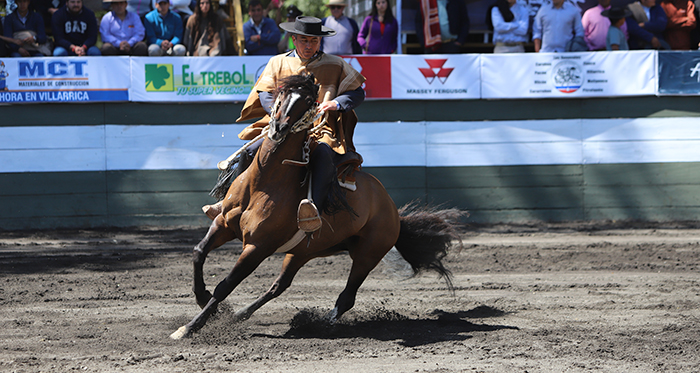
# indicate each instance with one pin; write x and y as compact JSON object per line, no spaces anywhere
{"x":306,"y":46}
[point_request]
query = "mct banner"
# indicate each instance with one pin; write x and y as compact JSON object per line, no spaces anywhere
{"x":70,"y":79}
{"x":435,"y":77}
{"x":561,"y":75}
{"x":194,"y":78}
{"x":679,"y":73}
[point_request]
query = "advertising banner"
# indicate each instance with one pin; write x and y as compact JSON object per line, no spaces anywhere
{"x":377,"y":71}
{"x":170,"y":79}
{"x":679,"y":73}
{"x":435,"y":77}
{"x":64,"y":79}
{"x":562,"y":75}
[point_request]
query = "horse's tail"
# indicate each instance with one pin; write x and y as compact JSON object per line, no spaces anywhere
{"x":427,"y":233}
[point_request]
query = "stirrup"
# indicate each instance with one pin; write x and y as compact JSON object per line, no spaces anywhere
{"x":308,"y":218}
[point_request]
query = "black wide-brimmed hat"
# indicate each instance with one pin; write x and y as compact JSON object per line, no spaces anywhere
{"x":616,"y":13}
{"x":293,"y":11}
{"x":307,"y":25}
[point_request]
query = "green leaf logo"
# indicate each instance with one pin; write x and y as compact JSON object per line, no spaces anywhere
{"x":159,"y":78}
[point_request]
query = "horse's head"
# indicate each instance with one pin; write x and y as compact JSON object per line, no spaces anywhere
{"x":295,"y":106}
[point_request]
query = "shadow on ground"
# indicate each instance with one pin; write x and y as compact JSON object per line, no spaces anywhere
{"x":386,"y":325}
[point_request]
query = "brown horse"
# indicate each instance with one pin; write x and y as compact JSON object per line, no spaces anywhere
{"x":261,"y":205}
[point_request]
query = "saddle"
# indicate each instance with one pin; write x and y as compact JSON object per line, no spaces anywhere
{"x":347,"y":164}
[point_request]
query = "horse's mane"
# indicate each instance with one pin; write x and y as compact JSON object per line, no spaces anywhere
{"x":304,"y":83}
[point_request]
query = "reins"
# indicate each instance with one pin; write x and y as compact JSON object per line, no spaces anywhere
{"x":309,"y":117}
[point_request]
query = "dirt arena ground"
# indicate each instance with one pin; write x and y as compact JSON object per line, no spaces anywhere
{"x":541,"y":298}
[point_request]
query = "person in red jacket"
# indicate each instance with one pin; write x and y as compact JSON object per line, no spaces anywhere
{"x":681,"y":20}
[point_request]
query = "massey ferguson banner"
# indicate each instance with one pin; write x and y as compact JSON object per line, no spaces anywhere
{"x":562,"y":75}
{"x":436,"y":77}
{"x":64,"y":79}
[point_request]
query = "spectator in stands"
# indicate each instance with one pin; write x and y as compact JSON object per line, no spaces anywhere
{"x":616,"y":39}
{"x":510,"y":21}
{"x":286,"y":43}
{"x":46,"y":8}
{"x":261,"y":33}
{"x":28,"y":27}
{"x":274,"y":7}
{"x":681,"y":20}
{"x":164,"y":31}
{"x":345,"y":39}
{"x":595,"y":26}
{"x":695,"y":33}
{"x":646,"y":25}
{"x":3,"y":48}
{"x":205,"y":34}
{"x":379,"y":31}
{"x":554,"y":25}
{"x":75,"y":30}
{"x":447,"y":27}
{"x":140,"y":7}
{"x":181,"y":7}
{"x":122,"y":32}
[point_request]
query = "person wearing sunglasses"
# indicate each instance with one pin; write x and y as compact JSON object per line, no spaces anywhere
{"x":345,"y":42}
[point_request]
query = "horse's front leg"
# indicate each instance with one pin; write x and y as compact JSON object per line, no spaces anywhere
{"x":290,"y":267}
{"x":217,"y":235}
{"x":250,"y":258}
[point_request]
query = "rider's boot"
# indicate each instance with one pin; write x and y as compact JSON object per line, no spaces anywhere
{"x":212,"y":211}
{"x":323,"y":174}
{"x":245,"y":159}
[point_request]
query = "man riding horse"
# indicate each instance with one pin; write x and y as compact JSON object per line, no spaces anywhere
{"x":340,"y":89}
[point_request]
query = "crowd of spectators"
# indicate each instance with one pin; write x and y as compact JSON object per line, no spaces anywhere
{"x":37,"y":28}
{"x":560,"y":26}
{"x":193,"y":27}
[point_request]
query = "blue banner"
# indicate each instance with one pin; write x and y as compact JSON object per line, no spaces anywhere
{"x":679,"y":73}
{"x":64,"y":79}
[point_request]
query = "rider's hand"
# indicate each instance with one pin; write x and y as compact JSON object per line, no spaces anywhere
{"x":328,"y":106}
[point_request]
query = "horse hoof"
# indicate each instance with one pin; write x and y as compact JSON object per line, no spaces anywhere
{"x":332,"y":316}
{"x":182,"y":332}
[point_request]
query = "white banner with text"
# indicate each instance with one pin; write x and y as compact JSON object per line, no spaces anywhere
{"x":562,"y":75}
{"x":64,"y":79}
{"x":194,"y":78}
{"x":435,"y":77}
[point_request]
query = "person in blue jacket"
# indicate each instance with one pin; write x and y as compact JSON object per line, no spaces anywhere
{"x":75,"y":30}
{"x":261,"y":33}
{"x":26,"y":26}
{"x":164,"y":31}
{"x":646,"y":25}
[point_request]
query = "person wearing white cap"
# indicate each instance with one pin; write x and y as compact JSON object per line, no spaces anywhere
{"x":345,"y":42}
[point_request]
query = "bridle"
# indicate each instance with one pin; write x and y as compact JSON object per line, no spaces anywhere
{"x":303,"y":123}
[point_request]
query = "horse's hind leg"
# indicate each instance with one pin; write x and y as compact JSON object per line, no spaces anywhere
{"x":365,"y":256}
{"x":290,"y":267}
{"x":215,"y":237}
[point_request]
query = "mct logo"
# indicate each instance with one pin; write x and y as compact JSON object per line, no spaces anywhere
{"x":46,"y":69}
